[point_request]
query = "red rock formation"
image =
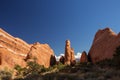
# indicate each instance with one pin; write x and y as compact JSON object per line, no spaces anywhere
{"x":84,"y":57}
{"x":104,"y":45}
{"x":0,"y":59}
{"x":9,"y":59}
{"x":62,"y":59}
{"x":53,"y":60}
{"x":69,"y":53}
{"x":15,"y":51}
{"x":73,"y":61}
{"x":72,"y":55}
{"x":42,"y":52}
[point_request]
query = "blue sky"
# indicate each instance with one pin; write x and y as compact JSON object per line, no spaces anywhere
{"x":54,"y":21}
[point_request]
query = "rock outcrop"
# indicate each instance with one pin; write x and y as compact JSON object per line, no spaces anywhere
{"x":104,"y":45}
{"x":62,"y":59}
{"x":53,"y":60}
{"x":84,"y":57}
{"x":42,"y":52}
{"x":69,"y":53}
{"x":16,"y":51}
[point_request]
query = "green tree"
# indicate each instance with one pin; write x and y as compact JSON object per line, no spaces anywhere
{"x":32,"y":68}
{"x":5,"y":75}
{"x":116,"y":58}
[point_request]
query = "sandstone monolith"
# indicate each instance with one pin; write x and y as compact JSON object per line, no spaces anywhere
{"x":104,"y":45}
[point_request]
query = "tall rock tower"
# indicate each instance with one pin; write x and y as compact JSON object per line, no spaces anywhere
{"x":69,"y":54}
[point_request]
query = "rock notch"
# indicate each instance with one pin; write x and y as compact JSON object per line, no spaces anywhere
{"x":104,"y":45}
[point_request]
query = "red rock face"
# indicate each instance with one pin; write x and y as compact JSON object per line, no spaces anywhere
{"x":9,"y":59}
{"x":104,"y":45}
{"x":84,"y":57}
{"x":73,"y":61}
{"x":69,"y":53}
{"x":42,"y":52}
{"x":0,"y":58}
{"x":15,"y":51}
{"x":72,"y":55}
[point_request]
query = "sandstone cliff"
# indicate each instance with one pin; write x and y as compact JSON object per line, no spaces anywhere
{"x":104,"y":45}
{"x":15,"y":51}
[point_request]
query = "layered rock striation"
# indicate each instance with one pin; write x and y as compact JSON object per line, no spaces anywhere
{"x":104,"y":45}
{"x":16,"y":51}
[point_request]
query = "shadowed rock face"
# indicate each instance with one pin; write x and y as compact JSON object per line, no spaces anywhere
{"x":53,"y":60}
{"x":104,"y":45}
{"x":84,"y":57}
{"x":69,"y":53}
{"x":72,"y":55}
{"x":73,"y":61}
{"x":15,"y":51}
{"x":62,"y":59}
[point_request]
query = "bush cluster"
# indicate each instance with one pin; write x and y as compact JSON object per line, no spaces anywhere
{"x":5,"y":75}
{"x":85,"y":71}
{"x":114,"y":62}
{"x":32,"y":68}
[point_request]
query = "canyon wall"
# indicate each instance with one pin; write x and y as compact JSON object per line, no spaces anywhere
{"x":15,"y":51}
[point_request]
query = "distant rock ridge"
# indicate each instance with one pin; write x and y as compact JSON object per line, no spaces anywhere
{"x":104,"y":45}
{"x":15,"y":50}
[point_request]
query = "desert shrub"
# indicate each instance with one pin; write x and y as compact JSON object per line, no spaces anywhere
{"x":114,"y":62}
{"x":57,"y":76}
{"x":20,"y":71}
{"x":5,"y":75}
{"x":109,"y":73}
{"x":32,"y":68}
{"x":86,"y":64}
{"x":33,"y":77}
{"x":84,"y":67}
{"x":116,"y":58}
{"x":90,"y":75}
{"x":59,"y":66}
{"x":105,"y":63}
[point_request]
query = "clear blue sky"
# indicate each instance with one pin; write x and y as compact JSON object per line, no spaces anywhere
{"x":54,"y":21}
